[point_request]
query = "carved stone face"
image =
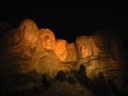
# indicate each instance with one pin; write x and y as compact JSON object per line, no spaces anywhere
{"x":85,"y":46}
{"x":61,"y":50}
{"x":47,"y":39}
{"x":23,"y":39}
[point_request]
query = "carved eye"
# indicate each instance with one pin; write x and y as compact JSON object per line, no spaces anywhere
{"x":46,"y":38}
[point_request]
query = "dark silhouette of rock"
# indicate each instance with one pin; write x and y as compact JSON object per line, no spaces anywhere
{"x":4,"y":26}
{"x":60,"y":76}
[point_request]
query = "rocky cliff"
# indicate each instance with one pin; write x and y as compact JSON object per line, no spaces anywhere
{"x":27,"y":48}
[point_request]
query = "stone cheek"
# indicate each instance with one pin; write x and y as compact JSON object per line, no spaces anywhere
{"x":66,"y":52}
{"x":19,"y":46}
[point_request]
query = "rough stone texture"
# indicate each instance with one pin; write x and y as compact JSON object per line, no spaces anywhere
{"x":109,"y":44}
{"x":18,"y":47}
{"x":26,"y":48}
{"x":49,"y":64}
{"x":47,"y":39}
{"x":61,"y":49}
{"x":100,"y":53}
{"x":65,"y":52}
{"x":86,"y":47}
{"x":72,"y":53}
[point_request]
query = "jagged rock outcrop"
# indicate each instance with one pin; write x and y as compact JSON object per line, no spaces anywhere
{"x":72,"y":53}
{"x":26,"y":48}
{"x":19,"y":46}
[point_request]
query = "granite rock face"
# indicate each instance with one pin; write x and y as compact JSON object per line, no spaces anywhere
{"x":100,"y":54}
{"x":27,"y":48}
{"x":24,"y":46}
{"x":18,"y":47}
{"x":86,"y":47}
{"x":61,"y":49}
{"x":87,"y":52}
{"x":47,"y":39}
{"x":72,"y":53}
{"x":66,"y":52}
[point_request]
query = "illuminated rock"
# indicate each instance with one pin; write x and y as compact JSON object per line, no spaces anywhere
{"x":66,"y":52}
{"x":100,"y":53}
{"x":47,"y":39}
{"x":61,"y":49}
{"x":87,"y":52}
{"x":22,"y":35}
{"x":48,"y":64}
{"x":19,"y":46}
{"x":86,"y":47}
{"x":26,"y":48}
{"x":72,"y":53}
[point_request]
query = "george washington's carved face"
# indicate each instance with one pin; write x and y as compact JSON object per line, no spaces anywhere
{"x":23,"y":40}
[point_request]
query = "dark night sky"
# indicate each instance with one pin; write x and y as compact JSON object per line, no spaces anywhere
{"x":68,"y":21}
